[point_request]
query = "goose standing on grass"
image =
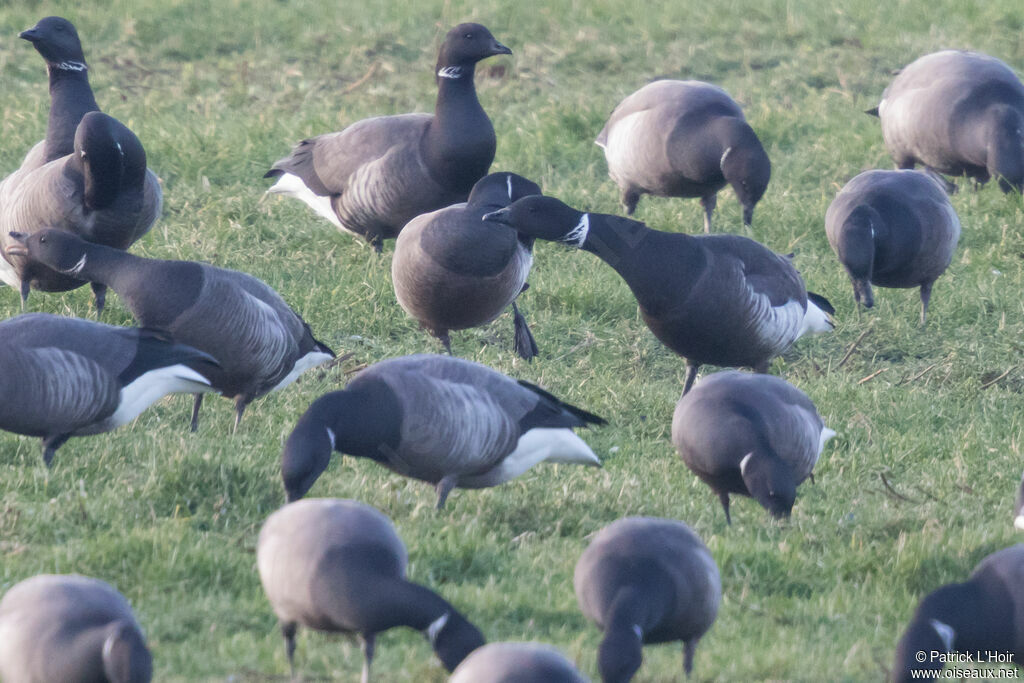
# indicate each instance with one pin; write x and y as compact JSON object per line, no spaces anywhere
{"x":443,"y":420}
{"x":63,"y":377}
{"x":339,"y":566}
{"x":516,"y":663}
{"x":892,"y":229}
{"x":379,"y":173}
{"x":721,"y":299}
{"x":645,"y":580}
{"x":260,"y":343}
{"x":72,"y":629}
{"x":959,"y":113}
{"x":753,"y":435}
{"x":450,"y":272}
{"x":684,"y":139}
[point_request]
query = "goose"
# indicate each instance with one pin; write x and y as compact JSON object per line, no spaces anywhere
{"x":451,"y":273}
{"x":646,"y":580}
{"x":439,"y":419}
{"x":516,"y":663}
{"x":958,"y":113}
{"x":62,"y":377}
{"x":73,"y":629}
{"x":892,"y":229}
{"x":260,"y":343}
{"x":984,"y":614}
{"x":339,"y":566}
{"x":754,"y":435}
{"x":684,"y":139}
{"x":721,"y":299}
{"x":379,"y":173}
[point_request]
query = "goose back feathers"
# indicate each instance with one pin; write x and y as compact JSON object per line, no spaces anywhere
{"x":516,"y":663}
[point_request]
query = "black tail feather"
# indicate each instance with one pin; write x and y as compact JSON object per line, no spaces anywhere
{"x":873,"y":111}
{"x":821,"y":302}
{"x":524,"y":343}
{"x":582,"y":415}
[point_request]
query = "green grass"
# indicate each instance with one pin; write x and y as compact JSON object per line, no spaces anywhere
{"x":218,"y":91}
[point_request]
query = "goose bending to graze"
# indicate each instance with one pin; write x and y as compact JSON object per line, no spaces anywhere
{"x":379,"y":173}
{"x":451,"y":272}
{"x":339,"y":566}
{"x":984,"y":614}
{"x":753,"y":435}
{"x":646,"y":580}
{"x":684,"y":139}
{"x":260,"y":343}
{"x":443,"y":420}
{"x":721,"y":299}
{"x":960,"y":113}
{"x":516,"y":663}
{"x":72,"y":629}
{"x":892,"y":229}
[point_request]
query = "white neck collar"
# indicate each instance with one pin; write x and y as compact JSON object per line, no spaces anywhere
{"x":435,"y":627}
{"x":70,"y":66}
{"x":453,"y":72}
{"x":578,"y":235}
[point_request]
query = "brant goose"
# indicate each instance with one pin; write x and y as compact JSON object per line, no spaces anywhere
{"x":379,"y":173}
{"x":443,"y":420}
{"x":451,"y":273}
{"x":721,"y":299}
{"x":261,"y":344}
{"x":63,"y":377}
{"x":892,"y":229}
{"x":983,"y":614}
{"x":959,"y":113}
{"x":516,"y":663}
{"x":755,"y":435}
{"x":684,"y":139}
{"x":72,"y":629}
{"x":339,"y":566}
{"x":645,"y":580}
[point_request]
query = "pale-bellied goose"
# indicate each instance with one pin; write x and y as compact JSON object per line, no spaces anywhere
{"x":892,"y":229}
{"x":754,"y":435}
{"x":443,"y":420}
{"x":261,"y":344}
{"x":516,"y":663}
{"x":72,"y":629}
{"x":339,"y":566}
{"x":684,"y":139}
{"x":960,"y":113}
{"x":646,"y":580}
{"x":983,"y":614}
{"x":721,"y":299}
{"x":451,"y":272}
{"x":379,"y":173}
{"x":63,"y":377}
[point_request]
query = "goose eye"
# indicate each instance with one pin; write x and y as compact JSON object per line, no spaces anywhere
{"x":468,"y":36}
{"x":42,"y":239}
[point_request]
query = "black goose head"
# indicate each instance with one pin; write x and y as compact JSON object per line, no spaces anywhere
{"x":931,"y":631}
{"x":770,"y":482}
{"x":856,"y":251}
{"x":453,"y":637}
{"x":498,"y":190}
{"x":56,"y":249}
{"x":306,"y":454}
{"x":1006,"y":148}
{"x":126,"y":659}
{"x":545,"y":218}
{"x":620,"y":655}
{"x":463,"y":47}
{"x":112,"y":158}
{"x":747,"y":169}
{"x":56,"y":39}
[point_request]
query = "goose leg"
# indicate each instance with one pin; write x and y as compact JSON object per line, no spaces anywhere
{"x":709,"y":204}
{"x":443,"y":488}
{"x":99,"y":294}
{"x":926,"y":295}
{"x":811,"y":477}
{"x":689,"y":647}
{"x":288,"y":631}
{"x":445,"y":340}
{"x":377,"y":242}
{"x":691,"y":377}
{"x":630,"y":198}
{"x":25,"y":287}
{"x":367,"y":640}
{"x":524,"y":344}
{"x":50,"y":446}
{"x":240,"y":403}
{"x":195,"y":411}
{"x":724,"y":497}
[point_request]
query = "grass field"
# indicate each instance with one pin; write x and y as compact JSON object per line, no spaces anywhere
{"x":914,"y":491}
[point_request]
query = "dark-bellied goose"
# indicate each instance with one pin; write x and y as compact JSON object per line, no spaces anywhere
{"x":960,"y":113}
{"x":63,"y":377}
{"x":516,"y":663}
{"x":754,"y":435}
{"x":983,"y":614}
{"x":72,"y":629}
{"x":339,"y":566}
{"x":646,"y":580}
{"x":261,"y":344}
{"x":684,"y":139}
{"x":721,"y":299}
{"x":379,"y":173}
{"x":443,"y":420}
{"x":892,"y":229}
{"x":451,"y":272}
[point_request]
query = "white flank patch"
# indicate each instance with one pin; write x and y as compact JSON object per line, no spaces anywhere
{"x":578,"y":235}
{"x":544,"y":444}
{"x":815,"y":320}
{"x":823,"y":438}
{"x":620,"y":148}
{"x":453,"y":72}
{"x":434,"y":629}
{"x":1018,"y":523}
{"x":291,"y":185}
{"x":946,"y":633}
{"x":744,"y":462}
{"x":310,"y":360}
{"x":152,"y":386}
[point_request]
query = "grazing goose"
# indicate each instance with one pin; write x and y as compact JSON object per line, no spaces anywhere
{"x":379,"y":173}
{"x":984,"y":614}
{"x":451,"y":272}
{"x":72,"y":629}
{"x":443,"y":420}
{"x":516,"y":663}
{"x":754,"y":435}
{"x":261,"y":344}
{"x":339,"y":566}
{"x":63,"y":377}
{"x":1018,"y":508}
{"x":721,"y":299}
{"x":959,"y":113}
{"x":892,"y":229}
{"x":684,"y":139}
{"x":645,"y":580}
